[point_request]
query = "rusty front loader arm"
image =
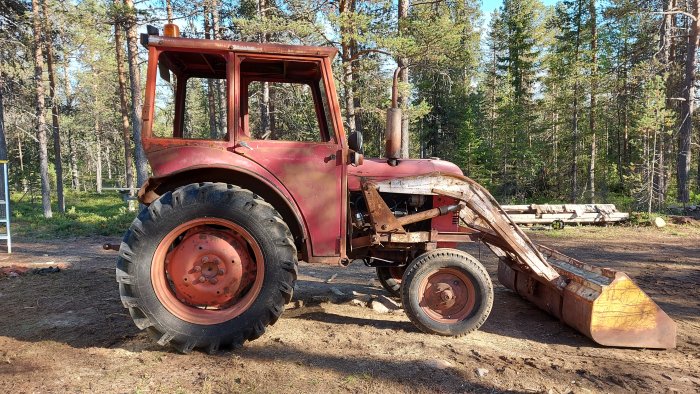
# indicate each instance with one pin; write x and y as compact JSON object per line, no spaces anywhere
{"x":505,"y":234}
{"x":601,"y":303}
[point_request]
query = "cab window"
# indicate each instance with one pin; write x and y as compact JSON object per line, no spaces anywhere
{"x":283,"y":100}
{"x":190,"y":98}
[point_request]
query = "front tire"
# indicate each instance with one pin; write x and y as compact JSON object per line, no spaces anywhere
{"x":447,"y":292}
{"x":208,"y":265}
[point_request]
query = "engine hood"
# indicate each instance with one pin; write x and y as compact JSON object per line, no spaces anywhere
{"x":380,"y":170}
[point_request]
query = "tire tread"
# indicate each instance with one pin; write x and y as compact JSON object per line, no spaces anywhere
{"x":236,"y":198}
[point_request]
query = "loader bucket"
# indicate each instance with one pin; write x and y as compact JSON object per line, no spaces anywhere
{"x":605,"y":305}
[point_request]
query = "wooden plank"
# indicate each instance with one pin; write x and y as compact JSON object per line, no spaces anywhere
{"x":560,"y":208}
{"x":568,"y":218}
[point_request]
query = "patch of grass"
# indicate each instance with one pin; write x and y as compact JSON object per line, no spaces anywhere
{"x":355,"y":379}
{"x":644,"y":218}
{"x":621,"y":231}
{"x":86,"y":214}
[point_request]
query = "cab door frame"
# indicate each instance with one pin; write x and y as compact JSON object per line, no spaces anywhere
{"x":321,"y":233}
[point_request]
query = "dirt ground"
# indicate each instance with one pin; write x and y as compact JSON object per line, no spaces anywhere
{"x":67,"y":332}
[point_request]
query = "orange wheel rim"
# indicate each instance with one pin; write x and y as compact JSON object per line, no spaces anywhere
{"x":447,"y":295}
{"x":207,"y":271}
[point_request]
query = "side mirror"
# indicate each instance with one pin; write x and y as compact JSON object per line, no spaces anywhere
{"x":355,"y":142}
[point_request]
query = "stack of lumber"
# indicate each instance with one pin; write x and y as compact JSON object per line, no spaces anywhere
{"x":565,"y":213}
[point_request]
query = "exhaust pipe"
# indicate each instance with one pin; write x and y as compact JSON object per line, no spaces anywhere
{"x":392,"y":148}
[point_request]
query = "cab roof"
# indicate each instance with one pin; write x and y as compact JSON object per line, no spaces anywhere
{"x":194,"y":44}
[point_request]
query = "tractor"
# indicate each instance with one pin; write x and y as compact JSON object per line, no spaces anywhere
{"x":271,"y":179}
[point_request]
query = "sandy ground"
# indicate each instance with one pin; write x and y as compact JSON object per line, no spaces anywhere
{"x":67,"y":332}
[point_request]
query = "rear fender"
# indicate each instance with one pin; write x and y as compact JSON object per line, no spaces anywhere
{"x":280,"y":199}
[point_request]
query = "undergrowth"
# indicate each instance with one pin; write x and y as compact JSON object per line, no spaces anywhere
{"x":623,"y":230}
{"x":86,"y":214}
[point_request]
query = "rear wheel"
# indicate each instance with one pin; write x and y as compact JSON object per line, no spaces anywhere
{"x":208,"y":265}
{"x":390,"y":278}
{"x":447,"y":292}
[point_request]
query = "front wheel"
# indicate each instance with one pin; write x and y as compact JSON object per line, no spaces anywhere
{"x":447,"y":292}
{"x":208,"y":265}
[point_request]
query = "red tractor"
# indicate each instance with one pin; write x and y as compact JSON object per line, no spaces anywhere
{"x":236,"y":201}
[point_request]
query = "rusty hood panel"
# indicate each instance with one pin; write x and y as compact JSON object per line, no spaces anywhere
{"x":380,"y":170}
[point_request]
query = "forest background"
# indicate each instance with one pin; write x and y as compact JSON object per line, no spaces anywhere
{"x":573,"y":101}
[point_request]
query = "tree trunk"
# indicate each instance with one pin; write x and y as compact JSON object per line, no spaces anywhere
{"x":20,"y":154}
{"x":98,"y":156}
{"x":40,"y":111}
{"x":688,"y":107}
{"x":136,"y":100}
{"x":574,"y":147}
{"x":72,"y":154}
{"x":346,"y":53}
{"x":219,"y":85}
{"x":665,"y":43}
{"x":403,"y":79}
{"x":3,"y":141}
{"x":123,"y":105}
{"x":73,"y":158}
{"x":211,"y":92}
{"x":58,"y":160}
{"x":108,"y":161}
{"x":214,"y":10}
{"x":594,"y":88}
{"x":349,"y":92}
{"x":265,"y":126}
{"x":264,"y":105}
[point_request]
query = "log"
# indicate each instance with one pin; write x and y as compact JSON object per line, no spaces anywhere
{"x":566,"y":213}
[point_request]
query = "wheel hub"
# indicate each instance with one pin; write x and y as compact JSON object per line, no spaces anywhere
{"x":209,"y":267}
{"x":447,"y":295}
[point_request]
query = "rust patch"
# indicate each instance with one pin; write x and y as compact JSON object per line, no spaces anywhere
{"x":383,"y":220}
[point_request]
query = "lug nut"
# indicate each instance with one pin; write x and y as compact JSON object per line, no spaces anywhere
{"x":197,"y":268}
{"x":202,"y":278}
{"x":221,"y":272}
{"x":213,"y":280}
{"x":205,"y":259}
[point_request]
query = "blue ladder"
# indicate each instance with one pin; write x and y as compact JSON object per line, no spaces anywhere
{"x":5,"y":208}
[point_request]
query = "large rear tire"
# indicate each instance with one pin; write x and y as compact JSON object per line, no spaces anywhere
{"x":447,"y":292}
{"x":208,"y":265}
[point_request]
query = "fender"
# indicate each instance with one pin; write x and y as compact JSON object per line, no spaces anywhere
{"x":270,"y":190}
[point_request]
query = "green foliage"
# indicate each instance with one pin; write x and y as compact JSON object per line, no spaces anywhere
{"x":509,"y":104}
{"x":87,"y":214}
{"x":644,"y":218}
{"x":443,"y":47}
{"x":652,"y":122}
